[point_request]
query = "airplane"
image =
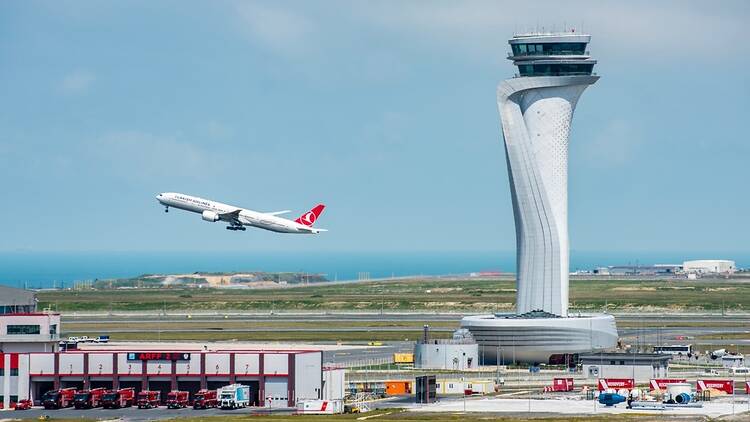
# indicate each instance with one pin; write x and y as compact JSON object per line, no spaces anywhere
{"x":238,"y":217}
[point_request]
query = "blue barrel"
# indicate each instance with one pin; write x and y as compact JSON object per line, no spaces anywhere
{"x":682,"y":398}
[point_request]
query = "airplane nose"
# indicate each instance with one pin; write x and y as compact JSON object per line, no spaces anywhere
{"x":159,"y":197}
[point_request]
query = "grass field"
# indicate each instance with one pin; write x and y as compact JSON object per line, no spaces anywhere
{"x":470,"y":295}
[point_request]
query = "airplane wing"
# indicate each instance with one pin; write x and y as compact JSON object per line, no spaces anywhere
{"x":233,"y":216}
{"x":277,"y":212}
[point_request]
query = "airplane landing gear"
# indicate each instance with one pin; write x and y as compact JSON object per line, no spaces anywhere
{"x":166,"y":209}
{"x":236,"y":228}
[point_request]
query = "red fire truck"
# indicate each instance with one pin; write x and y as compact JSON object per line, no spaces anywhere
{"x":124,"y":397}
{"x":205,"y":399}
{"x":58,"y":399}
{"x":148,"y":399}
{"x":89,"y":399}
{"x":177,"y":399}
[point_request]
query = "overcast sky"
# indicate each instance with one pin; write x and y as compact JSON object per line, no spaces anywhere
{"x":385,"y":111}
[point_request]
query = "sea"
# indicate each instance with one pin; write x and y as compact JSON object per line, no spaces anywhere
{"x":62,"y":269}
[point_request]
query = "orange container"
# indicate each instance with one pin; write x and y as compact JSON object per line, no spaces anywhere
{"x":397,"y":388}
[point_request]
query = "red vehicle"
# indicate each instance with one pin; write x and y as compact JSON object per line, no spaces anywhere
{"x":177,"y":399}
{"x":58,"y":399}
{"x":148,"y":399}
{"x":24,"y":404}
{"x":89,"y":399}
{"x":124,"y":397}
{"x":205,"y":399}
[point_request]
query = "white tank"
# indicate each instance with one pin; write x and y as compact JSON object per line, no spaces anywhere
{"x":673,"y":390}
{"x":623,"y":392}
{"x":635,"y":393}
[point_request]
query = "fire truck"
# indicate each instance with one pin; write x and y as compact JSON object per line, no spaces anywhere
{"x":89,"y":399}
{"x":58,"y":399}
{"x":124,"y":397}
{"x":177,"y":399}
{"x":205,"y":399}
{"x":148,"y":399}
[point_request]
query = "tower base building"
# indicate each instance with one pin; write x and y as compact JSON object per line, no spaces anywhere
{"x":536,"y":109}
{"x":538,"y":337}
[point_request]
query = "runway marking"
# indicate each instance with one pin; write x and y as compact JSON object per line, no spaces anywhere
{"x":364,"y":418}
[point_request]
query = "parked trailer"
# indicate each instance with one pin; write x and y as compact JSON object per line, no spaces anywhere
{"x":148,"y":399}
{"x":115,"y":399}
{"x":177,"y":399}
{"x":89,"y":399}
{"x":234,"y":396}
{"x":605,"y":384}
{"x":205,"y":399}
{"x":320,"y":407}
{"x":726,"y":386}
{"x":58,"y":399}
{"x":658,"y":384}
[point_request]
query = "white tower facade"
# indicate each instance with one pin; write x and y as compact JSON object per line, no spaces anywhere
{"x":536,"y":109}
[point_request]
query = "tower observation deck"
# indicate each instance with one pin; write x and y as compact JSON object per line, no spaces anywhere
{"x":551,"y":54}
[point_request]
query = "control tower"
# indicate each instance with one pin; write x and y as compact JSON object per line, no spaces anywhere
{"x":536,"y":109}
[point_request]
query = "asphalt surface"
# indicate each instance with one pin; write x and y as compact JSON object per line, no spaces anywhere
{"x":135,"y":414}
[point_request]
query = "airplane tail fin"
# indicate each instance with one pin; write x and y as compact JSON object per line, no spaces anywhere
{"x":309,"y":217}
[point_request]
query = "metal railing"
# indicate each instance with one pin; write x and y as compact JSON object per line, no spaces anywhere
{"x":556,"y":74}
{"x":549,"y":53}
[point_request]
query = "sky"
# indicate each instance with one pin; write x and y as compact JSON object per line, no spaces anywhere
{"x":384,"y":111}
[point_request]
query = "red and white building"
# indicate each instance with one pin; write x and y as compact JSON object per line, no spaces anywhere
{"x":277,"y":378}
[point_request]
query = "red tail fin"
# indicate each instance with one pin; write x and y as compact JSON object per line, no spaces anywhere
{"x":309,"y":217}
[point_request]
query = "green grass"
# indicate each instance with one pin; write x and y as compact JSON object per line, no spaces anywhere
{"x":470,"y":295}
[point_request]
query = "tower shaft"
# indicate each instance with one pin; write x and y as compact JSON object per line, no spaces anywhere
{"x":536,"y":114}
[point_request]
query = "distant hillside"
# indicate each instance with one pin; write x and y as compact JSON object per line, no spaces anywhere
{"x":255,"y":279}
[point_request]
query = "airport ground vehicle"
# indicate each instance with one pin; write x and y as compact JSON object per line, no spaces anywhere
{"x":124,"y":397}
{"x":205,"y":399}
{"x":675,"y":350}
{"x":148,"y":399}
{"x":234,"y":396}
{"x":89,"y":399}
{"x":24,"y":404}
{"x":177,"y":399}
{"x":58,"y":399}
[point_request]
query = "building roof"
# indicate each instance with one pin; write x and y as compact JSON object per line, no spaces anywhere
{"x":11,"y":296}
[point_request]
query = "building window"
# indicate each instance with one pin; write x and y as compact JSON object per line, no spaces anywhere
{"x":23,"y":329}
{"x":13,"y":372}
{"x":53,"y":329}
{"x":2,"y":372}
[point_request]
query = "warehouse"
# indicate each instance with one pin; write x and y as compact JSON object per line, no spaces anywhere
{"x":277,"y":378}
{"x":709,"y":266}
{"x":639,"y":366}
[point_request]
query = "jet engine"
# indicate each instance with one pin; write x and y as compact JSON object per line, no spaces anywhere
{"x":210,"y":216}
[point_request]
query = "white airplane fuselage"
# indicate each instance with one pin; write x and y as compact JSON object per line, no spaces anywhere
{"x":237,"y":217}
